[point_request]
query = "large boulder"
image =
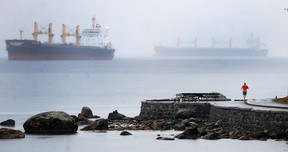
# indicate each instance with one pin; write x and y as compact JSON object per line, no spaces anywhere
{"x":191,"y":133}
{"x":116,"y":116}
{"x":185,"y":113}
{"x":9,"y":123}
{"x":53,"y":122}
{"x":7,"y":133}
{"x":100,"y":124}
{"x":87,"y":112}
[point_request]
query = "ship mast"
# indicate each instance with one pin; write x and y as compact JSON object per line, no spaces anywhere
{"x":77,"y":35}
{"x":65,"y":34}
{"x":37,"y":32}
{"x":222,"y":42}
{"x":94,"y":22}
{"x":179,"y":42}
{"x":21,"y":34}
{"x":50,"y":34}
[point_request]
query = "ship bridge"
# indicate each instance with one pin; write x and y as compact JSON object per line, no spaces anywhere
{"x":97,"y":36}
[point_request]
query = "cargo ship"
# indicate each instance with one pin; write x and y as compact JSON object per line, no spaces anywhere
{"x":254,"y":49}
{"x":91,"y":44}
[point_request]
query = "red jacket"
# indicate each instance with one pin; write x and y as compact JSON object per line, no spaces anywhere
{"x":244,"y":88}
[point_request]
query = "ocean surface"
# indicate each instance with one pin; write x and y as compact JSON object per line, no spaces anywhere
{"x":30,"y":87}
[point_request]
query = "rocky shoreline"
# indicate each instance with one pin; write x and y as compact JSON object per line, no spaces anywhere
{"x":58,"y":122}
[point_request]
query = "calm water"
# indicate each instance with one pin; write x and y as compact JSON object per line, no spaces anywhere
{"x":30,"y":87}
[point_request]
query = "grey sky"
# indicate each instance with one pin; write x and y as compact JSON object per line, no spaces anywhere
{"x":137,"y":25}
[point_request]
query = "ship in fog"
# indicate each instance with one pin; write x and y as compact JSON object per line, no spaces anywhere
{"x":254,"y":49}
{"x":91,"y":44}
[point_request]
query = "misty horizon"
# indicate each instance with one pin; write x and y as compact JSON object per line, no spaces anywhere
{"x":137,"y":26}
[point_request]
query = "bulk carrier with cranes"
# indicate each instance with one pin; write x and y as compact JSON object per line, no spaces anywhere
{"x":91,"y":44}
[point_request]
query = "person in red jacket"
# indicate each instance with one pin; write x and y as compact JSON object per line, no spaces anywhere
{"x":244,"y":88}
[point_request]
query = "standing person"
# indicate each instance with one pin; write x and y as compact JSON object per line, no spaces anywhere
{"x":244,"y":88}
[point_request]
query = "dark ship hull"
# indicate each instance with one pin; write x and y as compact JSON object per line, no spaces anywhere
{"x":208,"y":52}
{"x":35,"y":50}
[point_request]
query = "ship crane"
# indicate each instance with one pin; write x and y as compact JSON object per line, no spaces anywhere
{"x":221,"y":42}
{"x":43,"y":31}
{"x":70,"y":33}
{"x":189,"y":42}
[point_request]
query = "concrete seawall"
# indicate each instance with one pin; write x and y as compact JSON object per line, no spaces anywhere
{"x":247,"y":118}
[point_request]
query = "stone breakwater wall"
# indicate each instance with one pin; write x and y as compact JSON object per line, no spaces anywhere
{"x":251,"y":119}
{"x":167,"y":110}
{"x":242,"y":117}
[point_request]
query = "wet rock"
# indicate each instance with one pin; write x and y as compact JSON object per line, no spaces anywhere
{"x":225,"y":135}
{"x":53,"y":122}
{"x":191,"y":133}
{"x":8,"y":123}
{"x":286,"y":134}
{"x":245,"y":137}
{"x":87,"y":112}
{"x":116,"y":116}
{"x":100,"y":124}
{"x":192,"y":119}
{"x":184,"y":113}
{"x":233,"y":135}
{"x":274,"y":135}
{"x":164,"y":138}
{"x":160,"y":124}
{"x":260,"y":135}
{"x":125,"y":133}
{"x":218,"y":123}
{"x":7,"y":133}
{"x":212,"y":136}
{"x":81,"y":120}
{"x":203,"y":131}
{"x":184,"y":124}
{"x":74,"y":117}
{"x":156,"y":125}
{"x":212,"y":125}
{"x":128,"y":118}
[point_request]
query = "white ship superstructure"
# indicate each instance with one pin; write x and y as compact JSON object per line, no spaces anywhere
{"x":97,"y":36}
